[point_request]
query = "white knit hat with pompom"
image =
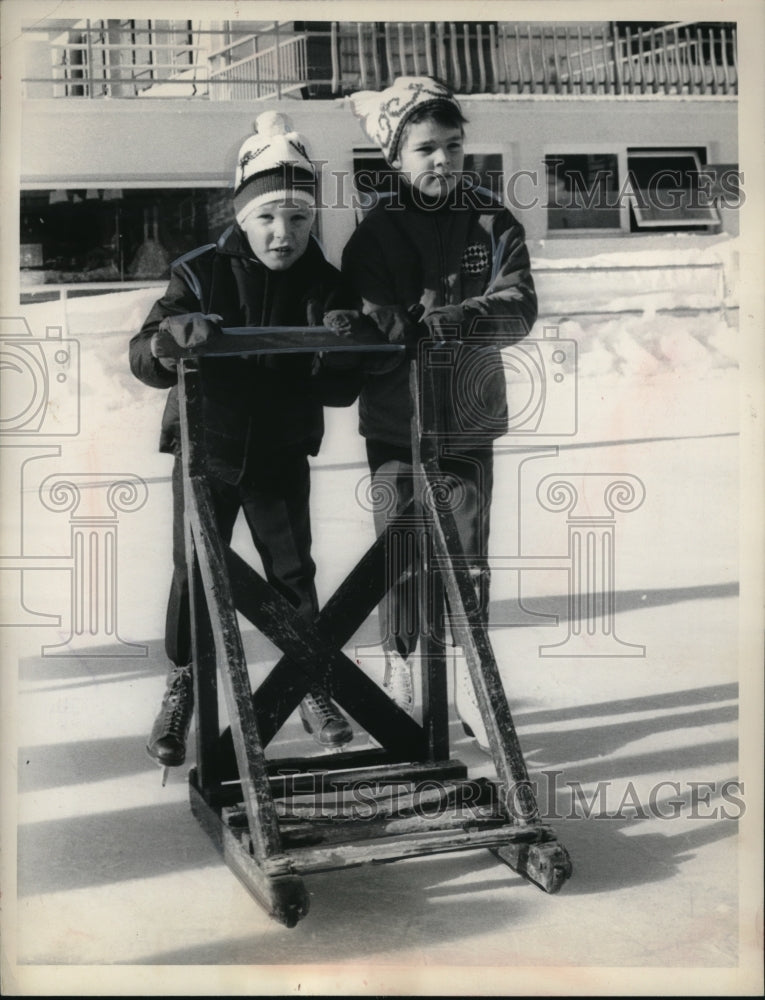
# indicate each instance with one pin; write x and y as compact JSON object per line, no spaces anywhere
{"x":273,"y":164}
{"x":384,"y":113}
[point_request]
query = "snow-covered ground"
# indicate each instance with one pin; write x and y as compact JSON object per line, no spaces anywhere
{"x":114,"y":870}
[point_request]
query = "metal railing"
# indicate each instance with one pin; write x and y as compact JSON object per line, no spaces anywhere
{"x":260,"y":60}
{"x":509,"y":57}
{"x":259,"y":66}
{"x":124,"y":59}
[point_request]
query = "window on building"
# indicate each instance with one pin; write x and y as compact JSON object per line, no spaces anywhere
{"x":485,"y":169}
{"x":669,"y":190}
{"x":582,"y":191}
{"x":373,"y":175}
{"x":79,"y":235}
{"x":641,"y":189}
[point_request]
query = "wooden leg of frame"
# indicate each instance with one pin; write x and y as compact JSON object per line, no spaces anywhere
{"x":546,"y":864}
{"x":271,"y":881}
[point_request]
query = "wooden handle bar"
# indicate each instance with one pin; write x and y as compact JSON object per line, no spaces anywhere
{"x":247,"y":341}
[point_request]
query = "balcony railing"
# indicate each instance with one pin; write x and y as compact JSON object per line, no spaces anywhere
{"x":262,"y":65}
{"x":617,"y":59}
{"x":267,"y":60}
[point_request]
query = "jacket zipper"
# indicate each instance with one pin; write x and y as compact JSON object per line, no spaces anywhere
{"x":441,"y":265}
{"x":266,"y":307}
{"x":443,"y":403}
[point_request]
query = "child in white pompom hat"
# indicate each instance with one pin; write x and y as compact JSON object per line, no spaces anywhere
{"x":436,"y":255}
{"x":262,"y":417}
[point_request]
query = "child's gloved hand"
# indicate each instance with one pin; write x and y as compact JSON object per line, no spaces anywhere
{"x":444,"y":319}
{"x":347,"y":322}
{"x":351,"y":323}
{"x":177,"y":334}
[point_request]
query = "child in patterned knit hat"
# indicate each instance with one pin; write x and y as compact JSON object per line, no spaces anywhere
{"x":262,"y":417}
{"x":436,"y":254}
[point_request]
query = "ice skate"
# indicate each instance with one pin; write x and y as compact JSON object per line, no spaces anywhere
{"x":466,"y":703}
{"x":167,"y":741}
{"x":398,"y":683}
{"x":324,"y":720}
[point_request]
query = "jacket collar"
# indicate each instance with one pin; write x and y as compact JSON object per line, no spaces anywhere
{"x":233,"y":242}
{"x":464,"y":195}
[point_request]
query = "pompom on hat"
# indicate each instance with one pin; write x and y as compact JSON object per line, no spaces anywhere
{"x":384,"y":113}
{"x":273,"y":164}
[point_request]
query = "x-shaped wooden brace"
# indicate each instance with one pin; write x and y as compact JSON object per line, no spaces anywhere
{"x":312,"y":652}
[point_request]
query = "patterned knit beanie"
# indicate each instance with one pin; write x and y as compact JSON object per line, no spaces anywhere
{"x":383,"y":114}
{"x":273,"y":164}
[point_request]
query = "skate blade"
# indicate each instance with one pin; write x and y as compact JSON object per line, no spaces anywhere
{"x":164,"y":768}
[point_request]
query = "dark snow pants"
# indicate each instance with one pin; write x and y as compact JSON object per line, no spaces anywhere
{"x":466,"y":489}
{"x":275,"y":503}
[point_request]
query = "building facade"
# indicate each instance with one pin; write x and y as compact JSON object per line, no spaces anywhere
{"x":605,"y":138}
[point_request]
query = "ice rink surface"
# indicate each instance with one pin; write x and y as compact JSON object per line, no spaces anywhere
{"x":636,"y":757}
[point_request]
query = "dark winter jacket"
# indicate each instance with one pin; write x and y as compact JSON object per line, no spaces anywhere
{"x":469,"y":253}
{"x":253,"y":407}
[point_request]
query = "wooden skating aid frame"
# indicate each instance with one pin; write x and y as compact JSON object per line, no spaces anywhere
{"x":268,"y":817}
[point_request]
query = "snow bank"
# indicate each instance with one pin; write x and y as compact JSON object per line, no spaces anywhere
{"x":698,"y":276}
{"x":640,"y":346}
{"x":664,"y":357}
